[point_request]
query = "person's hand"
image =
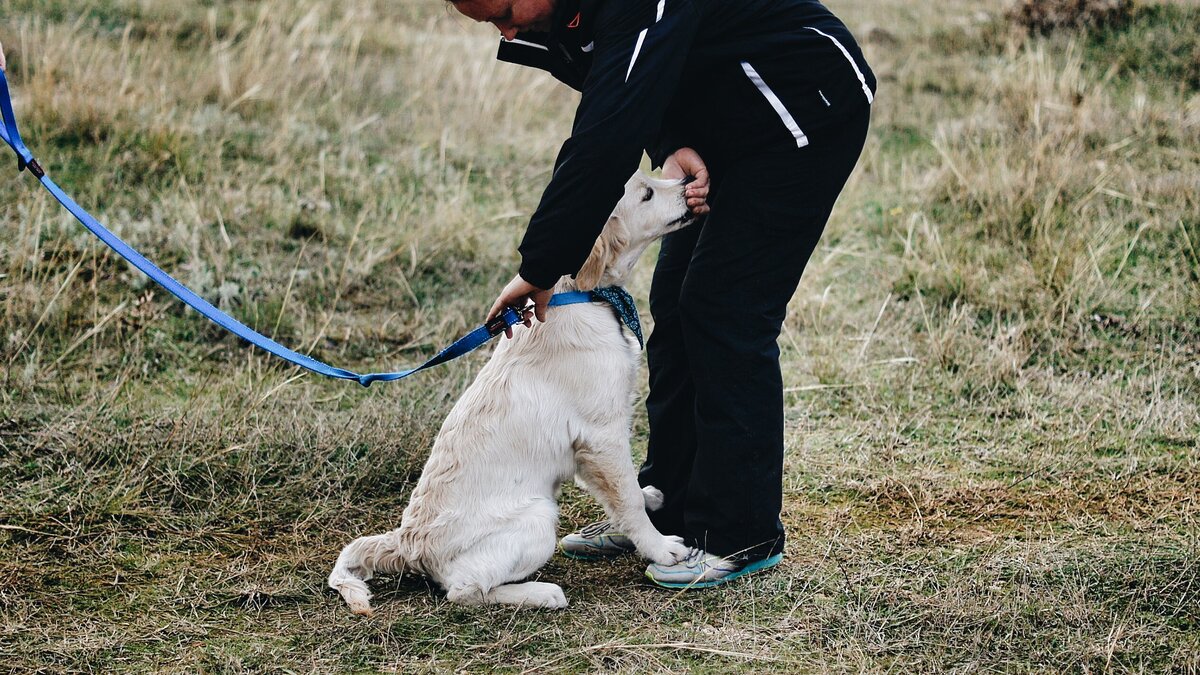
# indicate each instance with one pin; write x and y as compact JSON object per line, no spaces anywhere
{"x":516,"y":294}
{"x":686,"y":162}
{"x":3,"y":65}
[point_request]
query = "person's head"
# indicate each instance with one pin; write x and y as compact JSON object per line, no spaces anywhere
{"x":510,"y":16}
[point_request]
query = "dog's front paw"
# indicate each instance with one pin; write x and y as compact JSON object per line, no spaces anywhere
{"x":672,"y":551}
{"x":546,"y":596}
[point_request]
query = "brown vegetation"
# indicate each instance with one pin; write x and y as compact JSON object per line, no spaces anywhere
{"x":993,"y":361}
{"x":1047,"y":15}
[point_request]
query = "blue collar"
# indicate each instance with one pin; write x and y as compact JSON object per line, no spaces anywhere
{"x":618,"y":298}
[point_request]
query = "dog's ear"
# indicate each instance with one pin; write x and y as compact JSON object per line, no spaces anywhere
{"x":610,"y":243}
{"x":589,"y":275}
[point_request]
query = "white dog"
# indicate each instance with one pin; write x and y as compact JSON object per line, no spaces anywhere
{"x":553,"y":402}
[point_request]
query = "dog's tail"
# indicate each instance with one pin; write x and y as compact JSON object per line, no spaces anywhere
{"x":359,"y":562}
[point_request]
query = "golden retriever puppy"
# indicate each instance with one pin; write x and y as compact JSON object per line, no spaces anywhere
{"x":554,"y":402}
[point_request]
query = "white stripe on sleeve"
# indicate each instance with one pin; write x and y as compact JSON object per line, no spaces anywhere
{"x":526,"y":43}
{"x":637,"y":49}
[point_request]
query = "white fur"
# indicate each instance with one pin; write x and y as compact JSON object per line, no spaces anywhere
{"x":553,"y":402}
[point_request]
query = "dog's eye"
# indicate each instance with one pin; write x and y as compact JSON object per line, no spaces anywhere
{"x":648,"y":194}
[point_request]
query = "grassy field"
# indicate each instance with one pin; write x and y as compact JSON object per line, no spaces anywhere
{"x":993,"y":362}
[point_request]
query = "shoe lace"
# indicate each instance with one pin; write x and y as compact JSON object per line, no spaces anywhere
{"x":596,"y":529}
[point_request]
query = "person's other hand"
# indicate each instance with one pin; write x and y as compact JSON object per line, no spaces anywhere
{"x":686,"y":162}
{"x":516,"y":294}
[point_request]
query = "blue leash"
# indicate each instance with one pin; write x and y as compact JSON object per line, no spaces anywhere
{"x":463,"y":345}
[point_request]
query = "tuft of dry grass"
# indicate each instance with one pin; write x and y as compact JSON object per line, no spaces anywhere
{"x":992,"y":364}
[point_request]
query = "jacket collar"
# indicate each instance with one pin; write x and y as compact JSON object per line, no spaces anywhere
{"x":573,"y":23}
{"x":575,"y":20}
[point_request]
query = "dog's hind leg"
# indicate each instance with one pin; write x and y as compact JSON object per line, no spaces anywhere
{"x":512,"y":551}
{"x":605,"y":469}
{"x":358,"y":562}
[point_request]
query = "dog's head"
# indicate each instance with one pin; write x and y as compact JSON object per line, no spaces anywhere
{"x":650,"y":208}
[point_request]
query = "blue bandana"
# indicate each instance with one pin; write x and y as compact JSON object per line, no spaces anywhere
{"x":624,"y":307}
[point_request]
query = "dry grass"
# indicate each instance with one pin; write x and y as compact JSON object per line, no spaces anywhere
{"x":1049,"y":15}
{"x":993,"y":361}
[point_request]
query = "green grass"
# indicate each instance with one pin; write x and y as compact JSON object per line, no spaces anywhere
{"x":992,"y":363}
{"x":1161,"y":46}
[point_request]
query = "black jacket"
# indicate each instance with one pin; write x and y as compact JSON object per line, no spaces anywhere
{"x":729,"y":78}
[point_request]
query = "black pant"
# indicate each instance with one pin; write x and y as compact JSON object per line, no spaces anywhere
{"x":719,"y":298}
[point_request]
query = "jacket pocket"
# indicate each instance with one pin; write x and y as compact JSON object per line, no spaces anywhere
{"x":777,"y":105}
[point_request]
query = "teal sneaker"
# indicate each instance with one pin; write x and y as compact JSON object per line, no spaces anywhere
{"x":705,"y":570}
{"x":596,"y":542}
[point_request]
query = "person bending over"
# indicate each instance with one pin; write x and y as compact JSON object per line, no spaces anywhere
{"x":765,"y":105}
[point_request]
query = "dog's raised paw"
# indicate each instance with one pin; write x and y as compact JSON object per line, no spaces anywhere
{"x":653,"y":498}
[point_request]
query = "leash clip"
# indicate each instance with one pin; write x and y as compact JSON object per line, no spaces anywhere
{"x":502,"y":323}
{"x":510,"y":317}
{"x":497,"y":326}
